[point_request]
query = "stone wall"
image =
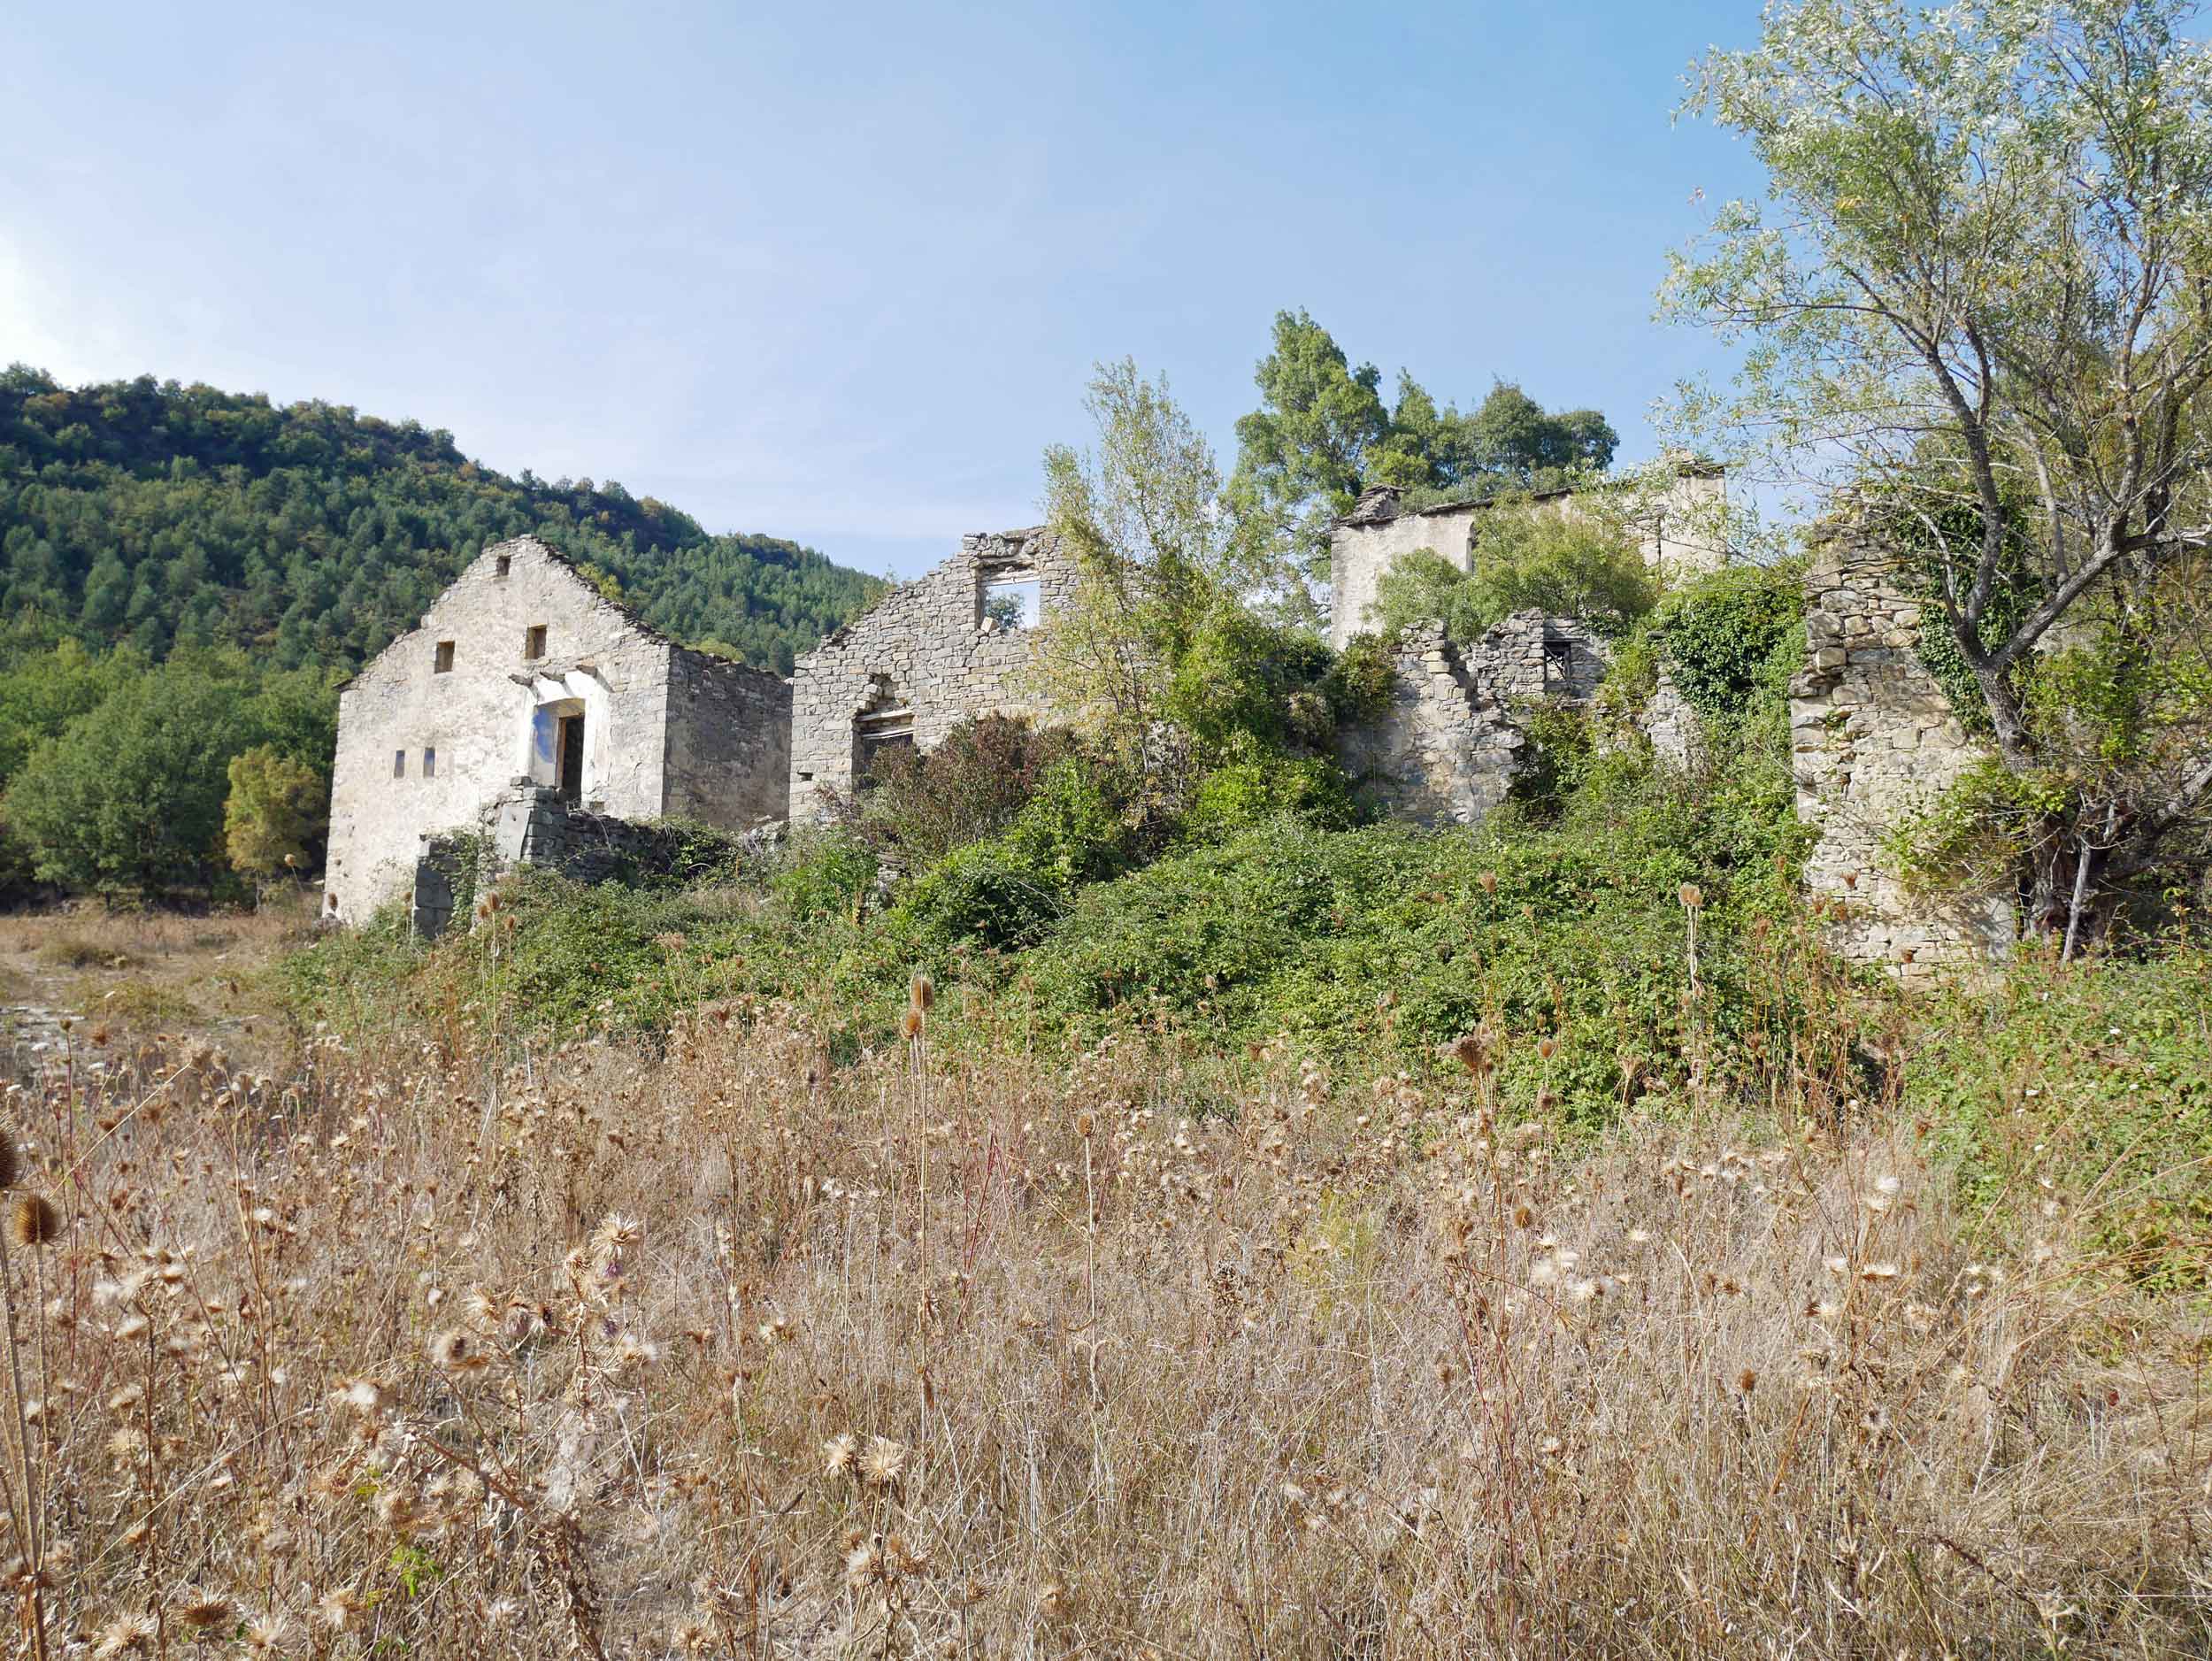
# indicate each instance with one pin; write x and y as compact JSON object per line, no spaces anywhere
{"x":921,"y":660}
{"x":1449,"y":747}
{"x":1678,"y":532}
{"x":529,"y":824}
{"x":1875,"y":739}
{"x":729,"y":742}
{"x":1672,"y":725}
{"x":452,"y":712}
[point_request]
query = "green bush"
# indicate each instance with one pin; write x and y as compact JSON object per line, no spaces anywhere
{"x":1388,"y":939}
{"x":968,"y":788}
{"x":984,"y":894}
{"x":1732,"y":638}
{"x":1239,"y":797}
{"x":823,"y":872}
{"x":1008,"y":890}
{"x":2097,"y":1078}
{"x":1363,"y":679}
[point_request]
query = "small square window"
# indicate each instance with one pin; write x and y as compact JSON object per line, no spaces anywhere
{"x":443,"y":663}
{"x":533,"y":641}
{"x":429,"y":762}
{"x":506,"y":563}
{"x":399,"y":764}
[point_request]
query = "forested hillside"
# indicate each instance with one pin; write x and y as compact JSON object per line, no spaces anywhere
{"x":161,"y":516}
{"x":186,"y":575}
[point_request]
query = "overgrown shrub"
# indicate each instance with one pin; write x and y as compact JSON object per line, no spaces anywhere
{"x":2095,"y":1082}
{"x":823,"y":872}
{"x":968,"y":788}
{"x":1732,"y":638}
{"x":1239,"y":796}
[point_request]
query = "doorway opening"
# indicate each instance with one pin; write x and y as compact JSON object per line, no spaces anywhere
{"x":569,"y":753}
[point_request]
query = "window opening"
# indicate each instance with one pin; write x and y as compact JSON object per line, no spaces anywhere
{"x":1008,"y":605}
{"x":442,"y":663}
{"x":429,"y":762}
{"x":880,"y":734}
{"x":399,"y":764}
{"x":533,"y":641}
{"x":506,"y":563}
{"x":1558,"y":666}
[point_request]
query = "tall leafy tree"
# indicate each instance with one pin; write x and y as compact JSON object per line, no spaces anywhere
{"x":1163,"y":655}
{"x":1981,"y":284}
{"x":129,"y":797}
{"x":1323,"y":433}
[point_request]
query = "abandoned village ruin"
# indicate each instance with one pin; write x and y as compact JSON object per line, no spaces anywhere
{"x":529,"y":708}
{"x":524,"y":697}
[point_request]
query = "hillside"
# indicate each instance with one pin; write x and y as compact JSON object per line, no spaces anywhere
{"x":161,"y":516}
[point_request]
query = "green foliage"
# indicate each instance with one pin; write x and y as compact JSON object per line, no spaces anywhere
{"x":1938,"y":537}
{"x":1288,"y":929}
{"x":1242,"y":796}
{"x":2097,"y":1080}
{"x":1240,"y":680}
{"x":1361,"y":681}
{"x":41,"y":692}
{"x":129,"y":797}
{"x":823,"y":872}
{"x":1323,"y":433}
{"x":1005,"y":892}
{"x":166,"y":516}
{"x":681,"y":852}
{"x":276,"y":810}
{"x":1979,"y":295}
{"x":1732,"y":638}
{"x":1972,"y":836}
{"x":1530,"y":558}
{"x":969,"y":786}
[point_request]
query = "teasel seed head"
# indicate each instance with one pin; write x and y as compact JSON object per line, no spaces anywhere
{"x":32,"y":1221}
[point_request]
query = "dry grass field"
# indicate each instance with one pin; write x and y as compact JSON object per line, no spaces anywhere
{"x":719,"y":1349}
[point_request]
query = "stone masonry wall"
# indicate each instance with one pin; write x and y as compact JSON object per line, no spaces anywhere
{"x":534,"y":825}
{"x":1874,"y":739}
{"x":926,"y":648}
{"x":477,"y":715}
{"x":729,"y":742}
{"x":1448,"y":748}
{"x":1678,"y":537}
{"x":1672,"y":723}
{"x":667,"y":731}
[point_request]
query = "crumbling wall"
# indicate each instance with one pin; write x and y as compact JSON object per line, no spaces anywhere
{"x":1874,"y":739}
{"x":1449,"y":747}
{"x":924,"y":658}
{"x":1671,"y":721}
{"x":529,"y":824}
{"x":1677,"y":533}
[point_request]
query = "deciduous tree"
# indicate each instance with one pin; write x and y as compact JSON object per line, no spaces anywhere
{"x":1982,"y":285}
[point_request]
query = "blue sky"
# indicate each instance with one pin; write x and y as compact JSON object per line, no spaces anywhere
{"x":838,"y":272}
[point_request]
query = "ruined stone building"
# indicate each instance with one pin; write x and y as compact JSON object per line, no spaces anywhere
{"x":1677,"y":531}
{"x":943,"y":648}
{"x":526,"y":694}
{"x":1875,"y":740}
{"x":1450,"y":745}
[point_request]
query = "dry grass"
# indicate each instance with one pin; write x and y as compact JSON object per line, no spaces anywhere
{"x":730,"y":1352}
{"x":138,"y":974}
